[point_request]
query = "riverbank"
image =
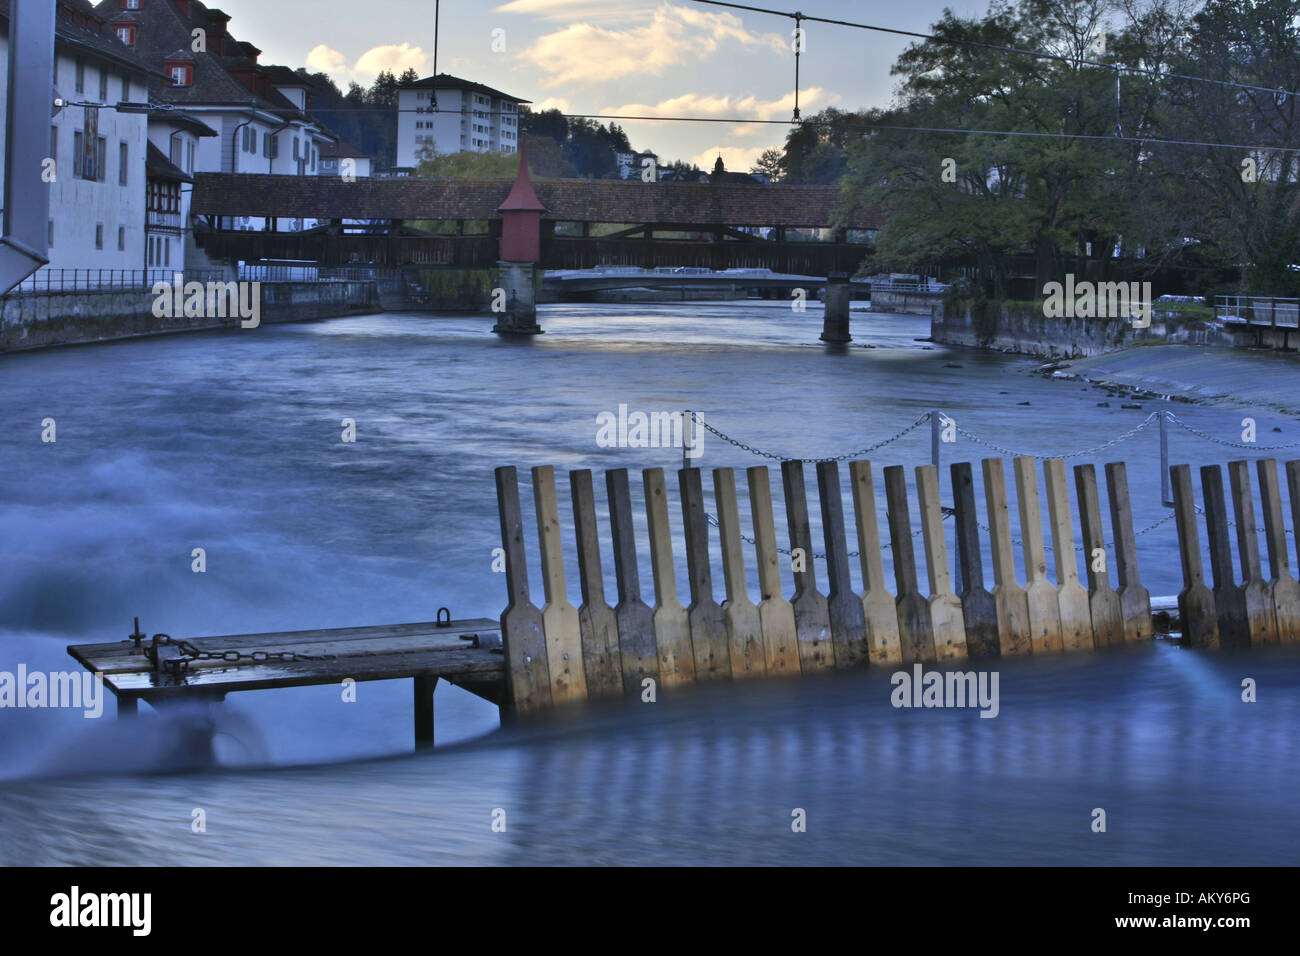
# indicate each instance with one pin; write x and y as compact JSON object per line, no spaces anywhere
{"x":1225,"y":376}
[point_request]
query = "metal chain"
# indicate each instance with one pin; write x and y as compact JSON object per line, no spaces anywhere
{"x":1231,"y":444}
{"x":1079,"y":547}
{"x":1125,"y":436}
{"x":819,"y":554}
{"x":190,"y":654}
{"x":812,"y":461}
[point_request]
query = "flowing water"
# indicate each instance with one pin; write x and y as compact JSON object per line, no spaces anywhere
{"x":232,"y":442}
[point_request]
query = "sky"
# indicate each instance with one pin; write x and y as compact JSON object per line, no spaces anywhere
{"x":643,"y":57}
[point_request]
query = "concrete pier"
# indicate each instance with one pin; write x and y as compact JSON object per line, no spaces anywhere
{"x":835,"y":323}
{"x":519,"y":282}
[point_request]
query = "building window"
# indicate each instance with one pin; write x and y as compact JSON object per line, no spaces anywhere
{"x":121,"y":238}
{"x":99,"y":235}
{"x":130,"y":4}
{"x":126,"y":33}
{"x":122,"y":164}
{"x":167,"y":252}
{"x":103,"y":85}
{"x":126,"y":88}
{"x":180,"y":75}
{"x":189,"y":157}
{"x":174,"y":149}
{"x":49,"y":233}
{"x":81,"y":77}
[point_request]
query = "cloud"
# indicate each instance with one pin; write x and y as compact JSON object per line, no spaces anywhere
{"x":585,"y":53}
{"x":552,"y":103}
{"x":395,"y":57}
{"x":739,"y":107}
{"x":573,"y":9}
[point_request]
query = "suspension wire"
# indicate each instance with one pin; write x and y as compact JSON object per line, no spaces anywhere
{"x":798,"y":48}
{"x":997,"y":47}
{"x":433,"y":93}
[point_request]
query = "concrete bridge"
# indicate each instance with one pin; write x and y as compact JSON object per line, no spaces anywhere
{"x":546,"y":225}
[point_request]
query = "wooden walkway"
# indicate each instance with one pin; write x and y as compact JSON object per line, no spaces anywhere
{"x":466,"y":653}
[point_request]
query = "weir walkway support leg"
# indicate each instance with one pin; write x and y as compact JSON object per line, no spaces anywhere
{"x":835,"y":323}
{"x":518,"y":282}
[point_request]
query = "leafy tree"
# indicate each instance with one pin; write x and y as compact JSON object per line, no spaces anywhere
{"x":771,"y":163}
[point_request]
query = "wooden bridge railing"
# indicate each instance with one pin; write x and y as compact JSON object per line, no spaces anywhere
{"x":1246,"y":609}
{"x":559,"y":654}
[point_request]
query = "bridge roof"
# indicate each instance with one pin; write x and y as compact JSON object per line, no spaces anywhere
{"x":569,"y":200}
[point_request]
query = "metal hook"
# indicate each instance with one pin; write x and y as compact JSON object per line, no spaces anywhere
{"x":441,"y":621}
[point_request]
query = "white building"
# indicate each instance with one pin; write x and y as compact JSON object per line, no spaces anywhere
{"x":469,"y":116}
{"x":343,"y":159}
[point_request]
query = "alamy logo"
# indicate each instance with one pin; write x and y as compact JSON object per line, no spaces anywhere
{"x":1101,"y":300}
{"x":946,"y":689}
{"x":56,"y":689}
{"x":653,"y":430}
{"x":215,"y":300}
{"x":133,"y":910}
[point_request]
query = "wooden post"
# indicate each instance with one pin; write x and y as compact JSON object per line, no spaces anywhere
{"x":978,"y":610}
{"x":1103,"y":600}
{"x":1008,"y":596}
{"x":1196,"y":601}
{"x":884,"y":644}
{"x":848,"y":623}
{"x":946,"y":621}
{"x":1286,"y":590}
{"x":596,"y":621}
{"x":1229,"y":600}
{"x":775,"y":613}
{"x":1261,"y":622}
{"x":636,"y":625}
{"x":914,"y":628}
{"x":128,"y":706}
{"x":744,"y":628}
{"x":812,"y":616}
{"x":559,"y":617}
{"x":528,"y":679}
{"x":708,"y":623}
{"x":424,"y":687}
{"x":1076,"y":618}
{"x":672,"y":624}
{"x":1134,"y":600}
{"x":1040,"y":594}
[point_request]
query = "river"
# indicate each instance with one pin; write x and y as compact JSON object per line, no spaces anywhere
{"x":231,"y":442}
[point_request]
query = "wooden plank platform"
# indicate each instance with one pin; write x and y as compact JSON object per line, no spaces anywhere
{"x":466,"y":653}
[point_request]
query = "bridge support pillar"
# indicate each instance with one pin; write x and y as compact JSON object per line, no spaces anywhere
{"x":835,"y":323}
{"x":518,"y":280}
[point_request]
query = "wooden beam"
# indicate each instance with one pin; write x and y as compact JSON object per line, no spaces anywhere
{"x":708,"y":623}
{"x":1134,"y":599}
{"x":559,"y":617}
{"x":946,"y":620}
{"x":1229,"y":600}
{"x":424,"y":687}
{"x":879,"y":611}
{"x":1103,"y":600}
{"x":596,"y":620}
{"x":1040,"y":593}
{"x":528,"y":678}
{"x":811,"y":612}
{"x":775,"y":613}
{"x":848,"y":623}
{"x":1076,"y":617}
{"x":1286,"y":589}
{"x":744,"y":627}
{"x":978,"y":610}
{"x":636,"y":626}
{"x":671,"y":622}
{"x":1008,"y":596}
{"x":1261,"y":621}
{"x":1196,"y":608}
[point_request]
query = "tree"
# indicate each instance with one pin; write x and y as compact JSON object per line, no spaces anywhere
{"x":770,"y":163}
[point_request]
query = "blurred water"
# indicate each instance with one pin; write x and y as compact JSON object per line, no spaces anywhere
{"x":230,"y":441}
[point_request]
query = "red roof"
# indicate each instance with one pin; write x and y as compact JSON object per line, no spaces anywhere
{"x":522,"y":195}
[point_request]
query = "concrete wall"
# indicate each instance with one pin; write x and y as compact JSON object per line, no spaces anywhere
{"x":1029,"y":332}
{"x":903,"y":303}
{"x":62,"y":318}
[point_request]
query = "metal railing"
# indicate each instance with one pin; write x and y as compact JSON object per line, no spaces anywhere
{"x":1258,"y":310}
{"x":100,"y":280}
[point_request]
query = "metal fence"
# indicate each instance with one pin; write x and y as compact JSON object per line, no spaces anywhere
{"x":100,"y":280}
{"x":1258,"y":310}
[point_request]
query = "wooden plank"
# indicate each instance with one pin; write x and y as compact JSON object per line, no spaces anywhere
{"x":636,"y":624}
{"x":1196,"y":608}
{"x":1040,"y":593}
{"x":978,"y":610}
{"x":596,"y":620}
{"x":1261,"y":621}
{"x":708,"y":623}
{"x":1229,"y":600}
{"x":1286,"y":589}
{"x":672,"y":623}
{"x":1103,"y":600}
{"x":879,"y":612}
{"x":744,"y":628}
{"x":423,"y":687}
{"x":559,"y":616}
{"x":775,"y":613}
{"x":946,"y":622}
{"x":528,"y":677}
{"x":848,"y":622}
{"x":812,"y":615}
{"x":1008,"y":596}
{"x":1076,"y":617}
{"x":914,"y":629}
{"x":1134,"y":600}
